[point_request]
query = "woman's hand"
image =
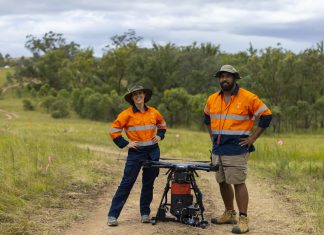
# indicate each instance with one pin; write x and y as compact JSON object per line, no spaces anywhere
{"x":156,"y":139}
{"x":132,"y":144}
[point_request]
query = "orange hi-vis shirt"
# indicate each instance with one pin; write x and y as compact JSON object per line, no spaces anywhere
{"x":140,"y":127}
{"x":229,"y":122}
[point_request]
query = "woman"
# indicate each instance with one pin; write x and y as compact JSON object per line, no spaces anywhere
{"x":144,"y":127}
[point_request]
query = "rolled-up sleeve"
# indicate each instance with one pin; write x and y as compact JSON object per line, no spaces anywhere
{"x":265,"y":121}
{"x":161,"y":125}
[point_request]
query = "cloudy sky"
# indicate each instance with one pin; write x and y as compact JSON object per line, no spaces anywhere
{"x":233,"y":24}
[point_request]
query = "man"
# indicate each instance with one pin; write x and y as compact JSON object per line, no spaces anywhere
{"x":229,"y":116}
{"x":144,"y":127}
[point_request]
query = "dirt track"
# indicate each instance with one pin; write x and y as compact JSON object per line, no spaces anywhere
{"x":268,"y":212}
{"x":9,"y":115}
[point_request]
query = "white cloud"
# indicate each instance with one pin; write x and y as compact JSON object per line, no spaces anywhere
{"x":297,"y":24}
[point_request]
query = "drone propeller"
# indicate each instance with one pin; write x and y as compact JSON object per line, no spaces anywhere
{"x":173,"y":159}
{"x":181,"y":166}
{"x":202,"y":161}
{"x":168,"y":158}
{"x":181,"y":159}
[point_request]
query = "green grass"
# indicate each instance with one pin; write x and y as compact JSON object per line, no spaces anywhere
{"x":27,"y":175}
{"x":186,"y":145}
{"x":295,"y":168}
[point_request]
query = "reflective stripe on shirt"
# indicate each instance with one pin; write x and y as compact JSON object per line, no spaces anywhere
{"x":163,"y":124}
{"x":260,"y":110}
{"x":230,"y":132}
{"x":229,"y":117}
{"x":144,"y":143}
{"x":141,"y":128}
{"x":113,"y":130}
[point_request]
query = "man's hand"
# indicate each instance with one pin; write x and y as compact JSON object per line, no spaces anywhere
{"x":132,"y":144}
{"x":156,"y":139}
{"x":248,"y":141}
{"x":252,"y":138}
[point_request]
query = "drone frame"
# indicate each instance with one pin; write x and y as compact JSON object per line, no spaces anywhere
{"x":191,"y":169}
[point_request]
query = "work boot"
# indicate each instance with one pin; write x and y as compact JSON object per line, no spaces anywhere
{"x":228,"y":217}
{"x":243,"y":225}
{"x":145,"y":219}
{"x":112,"y":221}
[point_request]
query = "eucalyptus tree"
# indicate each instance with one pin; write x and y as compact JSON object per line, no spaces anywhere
{"x":114,"y":63}
{"x":51,"y":53}
{"x":82,"y":71}
{"x":49,"y":42}
{"x":197,"y":64}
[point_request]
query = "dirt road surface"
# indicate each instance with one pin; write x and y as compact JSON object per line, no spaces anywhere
{"x":9,"y":115}
{"x":269,"y":212}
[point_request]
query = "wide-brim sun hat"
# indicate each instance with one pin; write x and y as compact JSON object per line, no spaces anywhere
{"x":148,"y":93}
{"x":229,"y":69}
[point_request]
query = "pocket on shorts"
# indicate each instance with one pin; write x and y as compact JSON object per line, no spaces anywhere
{"x":247,"y":156}
{"x":215,"y":159}
{"x":220,"y":175}
{"x":236,"y":175}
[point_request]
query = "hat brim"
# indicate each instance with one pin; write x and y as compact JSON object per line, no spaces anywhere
{"x":218,"y":74}
{"x":148,"y":95}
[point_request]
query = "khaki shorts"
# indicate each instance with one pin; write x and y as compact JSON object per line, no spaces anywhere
{"x":232,"y":169}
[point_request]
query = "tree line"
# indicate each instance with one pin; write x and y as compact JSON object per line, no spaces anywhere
{"x":65,"y":77}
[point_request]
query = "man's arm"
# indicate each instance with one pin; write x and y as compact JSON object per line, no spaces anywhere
{"x":264,"y":123}
{"x":252,"y":138}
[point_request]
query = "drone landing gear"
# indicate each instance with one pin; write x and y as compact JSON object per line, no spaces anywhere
{"x":181,"y":207}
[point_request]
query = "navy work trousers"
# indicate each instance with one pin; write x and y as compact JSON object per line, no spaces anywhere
{"x":132,"y":168}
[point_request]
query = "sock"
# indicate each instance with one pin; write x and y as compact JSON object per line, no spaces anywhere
{"x":243,"y":214}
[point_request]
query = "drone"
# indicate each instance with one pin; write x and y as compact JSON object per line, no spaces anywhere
{"x":181,"y":181}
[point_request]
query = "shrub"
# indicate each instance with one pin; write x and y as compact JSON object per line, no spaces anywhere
{"x":28,"y":105}
{"x":47,"y":103}
{"x":59,"y":109}
{"x":44,"y":90}
{"x":60,"y":113}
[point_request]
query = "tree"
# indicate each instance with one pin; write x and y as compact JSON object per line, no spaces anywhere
{"x":196,"y":67}
{"x":177,"y":105}
{"x":162,"y":66}
{"x":197,"y":104}
{"x":49,"y":67}
{"x":81,"y":72}
{"x":124,"y":40}
{"x":2,"y":61}
{"x":304,"y":111}
{"x":49,"y":42}
{"x":319,"y":107}
{"x":114,"y":63}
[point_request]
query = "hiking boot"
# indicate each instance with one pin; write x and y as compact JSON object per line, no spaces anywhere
{"x":112,"y":221}
{"x":228,"y":217}
{"x":145,"y":219}
{"x":243,"y":225}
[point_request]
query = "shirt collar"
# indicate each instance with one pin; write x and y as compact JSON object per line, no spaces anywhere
{"x":236,"y":89}
{"x":135,"y":109}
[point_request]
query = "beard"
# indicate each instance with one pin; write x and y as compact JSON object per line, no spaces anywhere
{"x":226,"y":86}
